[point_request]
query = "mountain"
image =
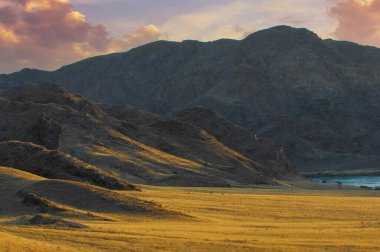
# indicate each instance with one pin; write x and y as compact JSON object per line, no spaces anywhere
{"x":318,"y":98}
{"x":50,"y":132}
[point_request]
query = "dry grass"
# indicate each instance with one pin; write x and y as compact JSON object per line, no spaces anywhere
{"x":153,"y":155}
{"x":13,"y":174}
{"x":224,"y":220}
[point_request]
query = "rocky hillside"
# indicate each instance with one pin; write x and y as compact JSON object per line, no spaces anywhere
{"x":319,"y":98}
{"x":239,"y":139}
{"x":47,"y":131}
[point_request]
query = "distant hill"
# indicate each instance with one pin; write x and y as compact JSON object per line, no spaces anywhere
{"x":319,"y":98}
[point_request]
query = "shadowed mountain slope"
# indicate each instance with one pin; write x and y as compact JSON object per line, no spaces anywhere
{"x":263,"y":150}
{"x":192,"y":140}
{"x":83,"y":141}
{"x":319,"y":98}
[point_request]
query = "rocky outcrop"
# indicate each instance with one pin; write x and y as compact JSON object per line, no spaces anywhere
{"x":48,"y":131}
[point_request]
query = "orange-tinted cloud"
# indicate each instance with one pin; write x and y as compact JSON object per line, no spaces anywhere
{"x":358,"y":20}
{"x":50,"y":33}
{"x":292,"y":21}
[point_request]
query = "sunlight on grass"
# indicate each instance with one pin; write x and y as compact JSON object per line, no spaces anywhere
{"x":153,"y":155}
{"x":222,"y":220}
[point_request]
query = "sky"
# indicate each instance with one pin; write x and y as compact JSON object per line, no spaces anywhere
{"x":47,"y":34}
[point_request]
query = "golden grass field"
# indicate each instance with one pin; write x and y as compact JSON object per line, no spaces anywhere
{"x":222,"y":220}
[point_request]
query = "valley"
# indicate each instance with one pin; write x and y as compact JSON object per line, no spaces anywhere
{"x":195,"y":146}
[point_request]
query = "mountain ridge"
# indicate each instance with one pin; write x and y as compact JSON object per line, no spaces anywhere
{"x":319,"y":98}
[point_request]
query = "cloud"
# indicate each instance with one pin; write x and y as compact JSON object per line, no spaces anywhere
{"x":358,"y":20}
{"x":218,"y":20}
{"x":92,"y":2}
{"x":49,"y":33}
{"x":140,"y":36}
{"x":293,"y":21}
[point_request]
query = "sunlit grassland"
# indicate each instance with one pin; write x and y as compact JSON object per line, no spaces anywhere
{"x":222,"y":220}
{"x":140,"y":154}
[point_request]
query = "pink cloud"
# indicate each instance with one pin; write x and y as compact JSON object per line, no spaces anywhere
{"x":358,"y":20}
{"x":50,"y":33}
{"x":293,"y":21}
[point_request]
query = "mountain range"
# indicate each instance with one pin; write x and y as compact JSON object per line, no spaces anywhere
{"x":49,"y":132}
{"x":320,"y":99}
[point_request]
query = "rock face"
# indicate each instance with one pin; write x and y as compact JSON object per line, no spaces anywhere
{"x":47,"y":131}
{"x":319,"y":98}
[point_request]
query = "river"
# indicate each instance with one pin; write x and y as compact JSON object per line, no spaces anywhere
{"x":369,"y":181}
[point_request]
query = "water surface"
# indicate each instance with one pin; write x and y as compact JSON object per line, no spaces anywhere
{"x":370,"y":181}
